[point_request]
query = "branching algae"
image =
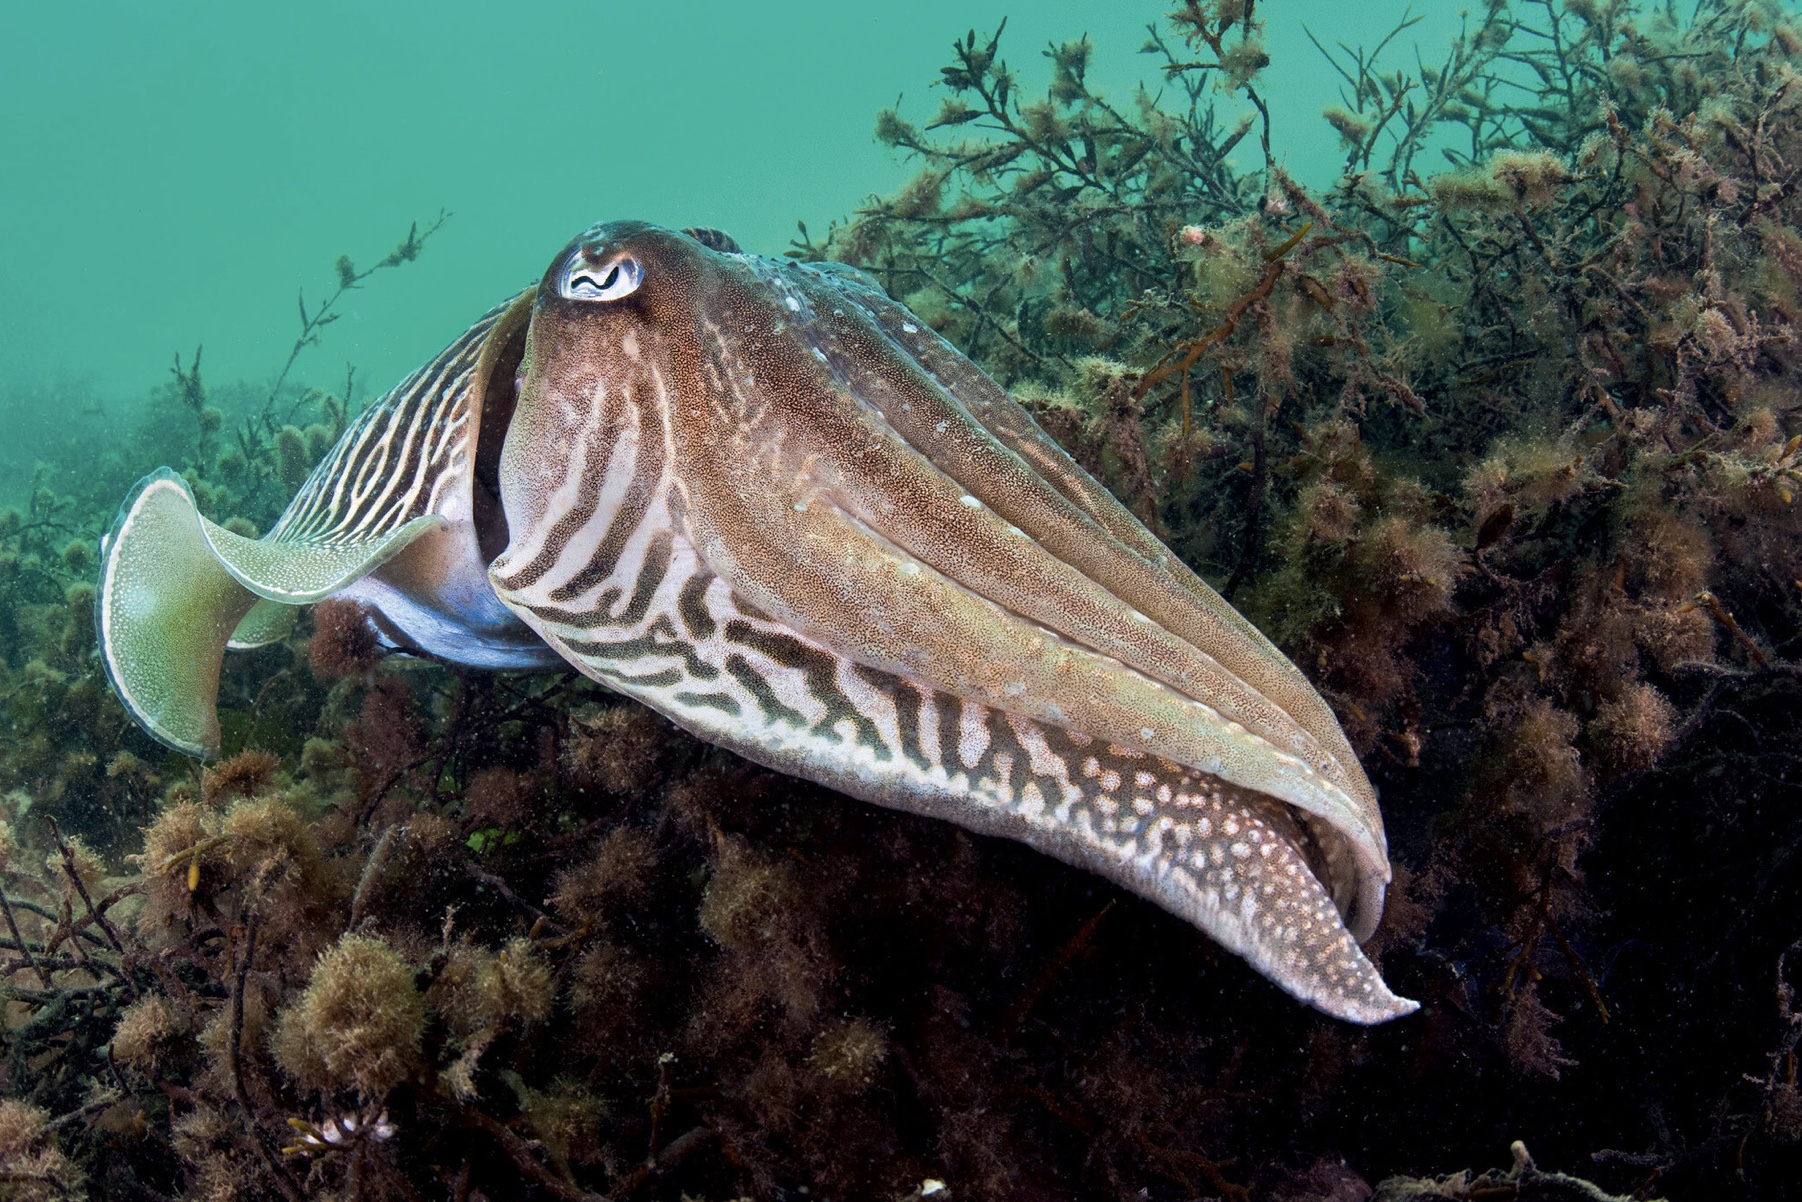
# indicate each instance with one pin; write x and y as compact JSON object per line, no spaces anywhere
{"x":1497,"y":438}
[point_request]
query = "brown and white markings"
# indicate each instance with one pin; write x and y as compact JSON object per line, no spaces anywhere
{"x":760,"y":498}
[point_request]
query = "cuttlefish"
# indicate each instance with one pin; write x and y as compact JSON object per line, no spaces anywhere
{"x":769,"y":502}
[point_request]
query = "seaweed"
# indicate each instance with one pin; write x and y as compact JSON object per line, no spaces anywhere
{"x":1503,"y":450}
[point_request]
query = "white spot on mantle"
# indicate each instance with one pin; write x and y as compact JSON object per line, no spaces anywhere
{"x":973,"y":503}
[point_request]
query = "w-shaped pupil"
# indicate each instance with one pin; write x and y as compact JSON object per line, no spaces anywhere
{"x":611,"y":278}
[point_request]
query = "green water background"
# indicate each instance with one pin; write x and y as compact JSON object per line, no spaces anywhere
{"x":172,"y":173}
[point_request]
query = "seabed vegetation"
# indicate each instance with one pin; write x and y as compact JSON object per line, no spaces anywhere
{"x":1499,"y":437}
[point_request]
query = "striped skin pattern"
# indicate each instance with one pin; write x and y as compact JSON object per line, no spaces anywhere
{"x":400,"y":459}
{"x":409,"y":455}
{"x":724,"y":499}
{"x":390,"y":520}
{"x":661,"y":628}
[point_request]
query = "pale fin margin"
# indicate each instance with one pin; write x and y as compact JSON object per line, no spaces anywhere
{"x":175,"y":589}
{"x":299,"y":573}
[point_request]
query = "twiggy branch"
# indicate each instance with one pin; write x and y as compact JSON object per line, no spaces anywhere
{"x":1184,"y":356}
{"x":24,"y":949}
{"x":112,"y":936}
{"x":311,"y":324}
{"x":235,"y":1059}
{"x":520,"y":1153}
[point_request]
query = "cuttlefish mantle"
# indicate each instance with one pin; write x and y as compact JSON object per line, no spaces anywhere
{"x":764,"y":499}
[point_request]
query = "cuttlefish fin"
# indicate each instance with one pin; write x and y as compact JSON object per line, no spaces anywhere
{"x":300,"y":572}
{"x":267,"y":622}
{"x":176,"y":589}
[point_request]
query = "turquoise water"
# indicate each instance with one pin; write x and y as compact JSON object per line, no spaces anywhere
{"x":176,"y":172}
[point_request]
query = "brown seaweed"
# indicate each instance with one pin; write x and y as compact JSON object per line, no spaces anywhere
{"x":1504,"y":452}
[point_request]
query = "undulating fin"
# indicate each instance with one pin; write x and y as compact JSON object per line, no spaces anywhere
{"x":267,"y":622}
{"x":299,"y":572}
{"x":175,"y":589}
{"x":164,"y":609}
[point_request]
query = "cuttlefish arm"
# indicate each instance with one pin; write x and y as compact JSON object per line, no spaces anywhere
{"x":709,"y":517}
{"x":1137,"y":565}
{"x":1181,"y":631}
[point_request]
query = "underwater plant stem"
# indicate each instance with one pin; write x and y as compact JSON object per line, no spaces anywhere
{"x":1578,"y":967}
{"x":1251,"y":94}
{"x":1184,"y":356}
{"x":983,"y":317}
{"x":51,"y":1179}
{"x":678,"y":1150}
{"x":1712,"y":603}
{"x":79,"y":930}
{"x":1188,"y":412}
{"x":1171,"y":1159}
{"x":106,"y":1098}
{"x":659,"y":1106}
{"x":235,"y":1057}
{"x":12,"y":924}
{"x":64,"y":930}
{"x":112,"y":936}
{"x":53,"y":963}
{"x":256,"y":707}
{"x":394,"y":778}
{"x":1254,"y":515}
{"x":1065,"y":955}
{"x":1524,"y":956}
{"x":239,"y":976}
{"x":348,"y":278}
{"x":378,"y":859}
{"x":484,"y":877}
{"x":520,"y":1153}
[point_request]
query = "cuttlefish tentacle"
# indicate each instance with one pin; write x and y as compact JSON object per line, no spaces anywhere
{"x":844,"y":541}
{"x":678,"y":635}
{"x":1241,"y":647}
{"x":708,"y":517}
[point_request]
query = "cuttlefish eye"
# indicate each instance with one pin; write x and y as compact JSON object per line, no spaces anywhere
{"x":608,"y":281}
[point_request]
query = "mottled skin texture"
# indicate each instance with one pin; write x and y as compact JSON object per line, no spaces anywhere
{"x":874,"y":533}
{"x":762,"y":499}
